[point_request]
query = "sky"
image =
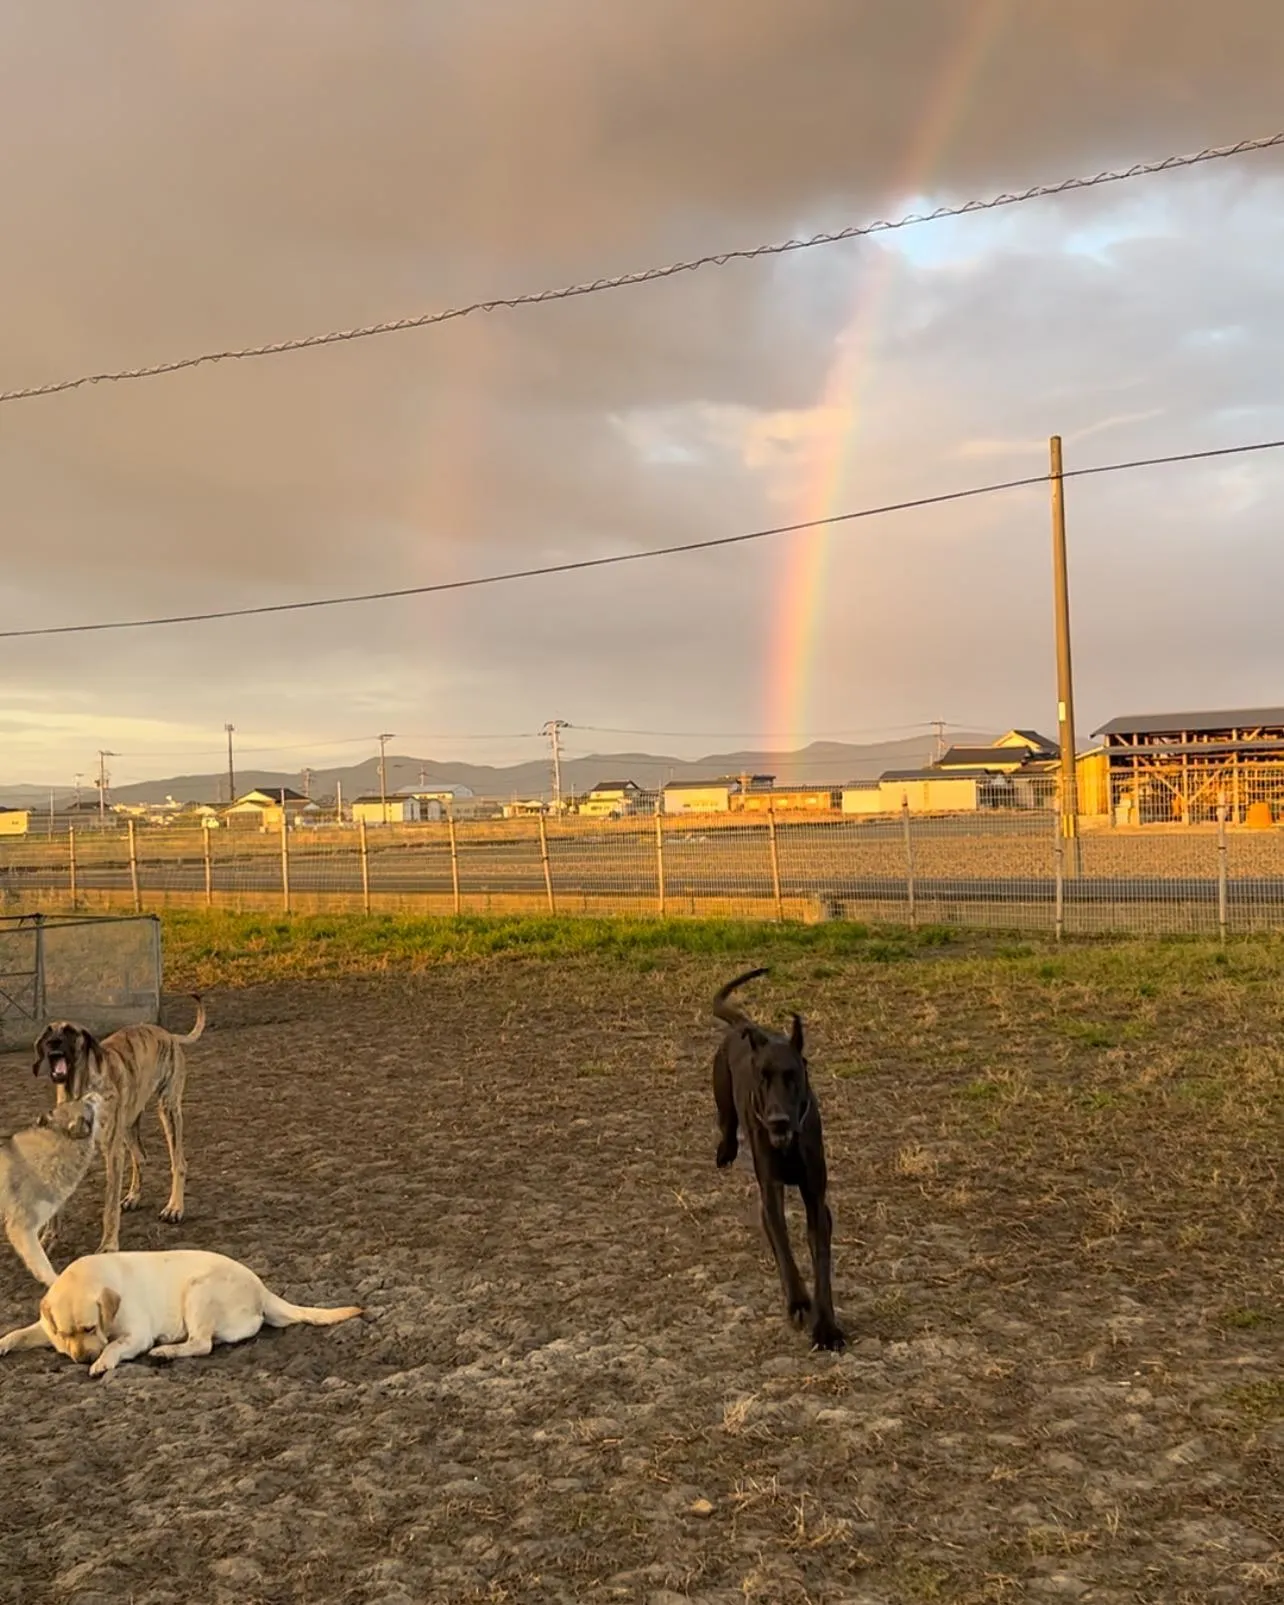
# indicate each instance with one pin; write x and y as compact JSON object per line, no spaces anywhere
{"x":186,"y":177}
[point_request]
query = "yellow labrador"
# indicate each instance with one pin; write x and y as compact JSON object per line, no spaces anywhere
{"x":106,"y":1308}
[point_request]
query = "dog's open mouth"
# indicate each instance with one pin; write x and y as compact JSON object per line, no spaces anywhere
{"x":59,"y":1070}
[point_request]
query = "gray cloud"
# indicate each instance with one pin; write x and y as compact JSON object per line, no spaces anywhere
{"x":196,"y":177}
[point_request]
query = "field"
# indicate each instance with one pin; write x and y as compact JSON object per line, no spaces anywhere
{"x":1058,"y":1257}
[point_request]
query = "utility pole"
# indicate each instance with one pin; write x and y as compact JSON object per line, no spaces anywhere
{"x":103,"y":756}
{"x":1065,"y":678}
{"x":939,"y":726}
{"x":553,"y":730}
{"x":307,"y":781}
{"x":384,"y":739}
{"x":231,"y":771}
{"x":79,"y":778}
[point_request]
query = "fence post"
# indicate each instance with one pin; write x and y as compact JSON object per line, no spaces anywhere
{"x":1221,"y":868}
{"x":285,"y":863}
{"x":1059,"y":877}
{"x":71,"y":863}
{"x":365,"y":865}
{"x":775,"y":864}
{"x":208,"y":853}
{"x":659,"y":857}
{"x":133,"y":867}
{"x":911,"y":900}
{"x":38,"y":980}
{"x":454,"y":864}
{"x":548,"y":868}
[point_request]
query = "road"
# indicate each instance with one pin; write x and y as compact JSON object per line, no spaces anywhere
{"x":504,"y":874}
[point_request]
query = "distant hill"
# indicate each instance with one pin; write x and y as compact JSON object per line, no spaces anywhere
{"x":822,"y":761}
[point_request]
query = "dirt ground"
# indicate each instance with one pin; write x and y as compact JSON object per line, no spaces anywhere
{"x":1058,"y":1259}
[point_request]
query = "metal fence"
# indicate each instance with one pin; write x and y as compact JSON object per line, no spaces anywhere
{"x":102,"y":971}
{"x":1003,"y":870}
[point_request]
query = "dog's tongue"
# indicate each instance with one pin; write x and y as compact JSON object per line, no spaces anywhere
{"x":58,"y":1069}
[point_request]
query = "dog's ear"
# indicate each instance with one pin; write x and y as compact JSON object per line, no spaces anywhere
{"x":108,"y":1308}
{"x":756,"y":1037}
{"x":46,"y":1320}
{"x":39,"y":1049}
{"x":796,"y":1034}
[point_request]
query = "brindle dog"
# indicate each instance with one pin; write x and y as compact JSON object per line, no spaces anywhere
{"x":129,"y":1068}
{"x":760,"y":1086}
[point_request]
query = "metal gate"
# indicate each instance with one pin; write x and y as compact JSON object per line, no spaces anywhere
{"x":103,"y":971}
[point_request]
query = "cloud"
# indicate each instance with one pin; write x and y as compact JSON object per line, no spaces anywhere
{"x":199,"y":177}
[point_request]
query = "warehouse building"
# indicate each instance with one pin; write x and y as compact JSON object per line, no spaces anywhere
{"x":1180,"y":767}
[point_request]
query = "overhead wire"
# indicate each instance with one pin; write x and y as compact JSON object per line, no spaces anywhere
{"x":650,"y":275}
{"x":647,"y":554}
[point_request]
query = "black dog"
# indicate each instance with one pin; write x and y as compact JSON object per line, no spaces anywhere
{"x":760,"y":1085}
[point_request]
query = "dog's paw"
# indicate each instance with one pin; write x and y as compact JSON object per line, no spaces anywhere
{"x":131,"y":1202}
{"x":800,"y":1310}
{"x":101,"y":1366}
{"x":109,"y":1245}
{"x":726,"y":1154}
{"x":171,"y":1217}
{"x":827,"y":1334}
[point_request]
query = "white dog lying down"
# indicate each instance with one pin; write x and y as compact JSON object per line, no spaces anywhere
{"x":106,"y":1308}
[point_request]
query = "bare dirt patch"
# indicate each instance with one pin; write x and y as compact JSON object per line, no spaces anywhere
{"x":1058,"y":1257}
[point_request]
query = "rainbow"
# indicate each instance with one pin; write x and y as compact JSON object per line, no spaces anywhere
{"x":791,"y":663}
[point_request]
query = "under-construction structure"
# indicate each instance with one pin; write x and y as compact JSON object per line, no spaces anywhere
{"x":1181,"y":768}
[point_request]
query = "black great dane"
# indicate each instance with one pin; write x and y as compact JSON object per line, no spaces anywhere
{"x":761,"y":1087}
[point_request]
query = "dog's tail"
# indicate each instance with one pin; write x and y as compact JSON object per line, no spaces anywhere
{"x":195,"y":1033}
{"x":278,"y":1312}
{"x":728,"y":1012}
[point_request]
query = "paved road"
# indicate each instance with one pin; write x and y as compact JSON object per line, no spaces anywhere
{"x":504,"y":874}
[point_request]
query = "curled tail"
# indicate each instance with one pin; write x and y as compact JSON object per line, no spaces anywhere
{"x":277,"y":1312}
{"x":194,"y":1034}
{"x":728,"y":1012}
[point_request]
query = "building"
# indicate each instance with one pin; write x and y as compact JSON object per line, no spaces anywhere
{"x":397,"y":809}
{"x":14,"y":821}
{"x":265,"y":810}
{"x":925,"y":791}
{"x":1039,"y":746}
{"x":611,"y":799}
{"x":698,"y":796}
{"x":525,"y":807}
{"x":438,"y":802}
{"x":1180,"y":767}
{"x":787,"y":800}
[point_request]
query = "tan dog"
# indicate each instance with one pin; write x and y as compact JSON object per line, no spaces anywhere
{"x":129,"y":1068}
{"x":40,"y":1168}
{"x":106,"y":1308}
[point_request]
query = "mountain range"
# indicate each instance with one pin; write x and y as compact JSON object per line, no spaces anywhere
{"x":821,"y":761}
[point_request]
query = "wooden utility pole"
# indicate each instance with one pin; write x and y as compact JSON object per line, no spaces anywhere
{"x":1069,"y":788}
{"x":231,"y":769}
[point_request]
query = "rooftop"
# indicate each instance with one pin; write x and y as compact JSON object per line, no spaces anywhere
{"x":1162,"y":724}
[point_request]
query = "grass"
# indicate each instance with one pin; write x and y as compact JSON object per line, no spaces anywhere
{"x":222,"y":949}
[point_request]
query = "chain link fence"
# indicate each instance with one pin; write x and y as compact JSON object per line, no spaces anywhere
{"x":102,"y":971}
{"x":1006,"y":870}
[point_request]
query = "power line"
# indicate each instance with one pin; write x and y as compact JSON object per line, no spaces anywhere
{"x":579,"y":565}
{"x":569,"y":292}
